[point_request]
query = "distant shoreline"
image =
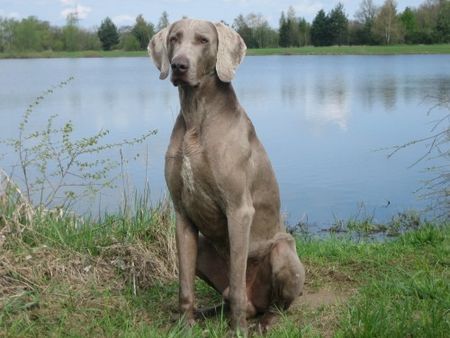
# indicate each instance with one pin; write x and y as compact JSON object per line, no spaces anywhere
{"x":308,"y":50}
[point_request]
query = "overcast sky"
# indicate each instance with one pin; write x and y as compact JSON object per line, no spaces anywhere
{"x":124,"y":12}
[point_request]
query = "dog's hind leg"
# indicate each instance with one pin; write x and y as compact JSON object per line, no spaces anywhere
{"x":211,"y":267}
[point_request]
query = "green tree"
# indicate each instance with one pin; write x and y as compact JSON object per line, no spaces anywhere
{"x":408,"y":20}
{"x":31,"y":34}
{"x":163,"y":21}
{"x":56,"y":36}
{"x":108,"y":35}
{"x":409,"y":24}
{"x":240,"y":25}
{"x":320,"y":30}
{"x":304,"y":29}
{"x":255,"y":31}
{"x":293,"y":29}
{"x":142,"y":31}
{"x":7,"y":29}
{"x":71,"y":33}
{"x":283,"y":34}
{"x":89,"y":40}
{"x":427,"y":17}
{"x":129,"y":42}
{"x":338,"y":23}
{"x":443,"y":22}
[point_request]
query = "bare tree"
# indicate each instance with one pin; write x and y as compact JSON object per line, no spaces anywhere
{"x":386,"y":23}
{"x":366,"y":12}
{"x":255,"y":31}
{"x":163,"y":21}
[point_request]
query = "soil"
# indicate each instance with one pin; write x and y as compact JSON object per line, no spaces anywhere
{"x":321,"y":297}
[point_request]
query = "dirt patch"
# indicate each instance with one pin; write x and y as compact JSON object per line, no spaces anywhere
{"x":326,"y":291}
{"x":326,"y":286}
{"x":321,"y":297}
{"x":320,"y":308}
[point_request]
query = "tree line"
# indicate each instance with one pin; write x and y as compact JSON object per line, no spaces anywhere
{"x":372,"y":25}
{"x":32,"y":34}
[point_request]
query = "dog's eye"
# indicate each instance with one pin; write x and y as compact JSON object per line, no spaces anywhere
{"x":173,"y":39}
{"x":204,"y":41}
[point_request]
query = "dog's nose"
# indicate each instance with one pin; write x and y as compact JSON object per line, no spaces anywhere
{"x":180,"y":64}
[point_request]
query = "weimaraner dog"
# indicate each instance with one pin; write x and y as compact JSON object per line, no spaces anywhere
{"x":229,"y":230}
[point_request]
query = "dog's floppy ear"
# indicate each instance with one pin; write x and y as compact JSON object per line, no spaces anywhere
{"x":230,"y":52}
{"x":157,"y":49}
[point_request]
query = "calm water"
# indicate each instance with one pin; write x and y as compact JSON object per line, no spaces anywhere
{"x":321,"y":118}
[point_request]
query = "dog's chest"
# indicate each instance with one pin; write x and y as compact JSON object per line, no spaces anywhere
{"x":195,"y":172}
{"x":192,"y":157}
{"x":187,"y":174}
{"x":199,"y":194}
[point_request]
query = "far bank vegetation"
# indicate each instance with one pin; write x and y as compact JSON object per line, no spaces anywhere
{"x":372,"y":24}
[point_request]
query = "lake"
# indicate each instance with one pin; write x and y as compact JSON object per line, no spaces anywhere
{"x":321,"y":119}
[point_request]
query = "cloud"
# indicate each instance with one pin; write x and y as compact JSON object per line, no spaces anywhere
{"x":80,"y":10}
{"x":308,"y":7}
{"x":123,"y":19}
{"x":68,"y":2}
{"x":175,"y":1}
{"x":9,"y":15}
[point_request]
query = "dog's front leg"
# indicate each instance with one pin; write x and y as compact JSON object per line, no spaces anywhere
{"x":239,"y":223}
{"x":187,"y":240}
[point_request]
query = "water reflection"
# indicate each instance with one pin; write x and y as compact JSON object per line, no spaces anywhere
{"x":319,"y":117}
{"x":389,"y":93}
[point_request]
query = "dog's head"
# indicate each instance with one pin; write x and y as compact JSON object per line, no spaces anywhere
{"x":194,"y":49}
{"x":288,"y":274}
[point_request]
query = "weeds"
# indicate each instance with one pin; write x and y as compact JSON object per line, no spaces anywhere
{"x":363,"y":226}
{"x":403,"y":222}
{"x":436,"y":189}
{"x":56,"y":169}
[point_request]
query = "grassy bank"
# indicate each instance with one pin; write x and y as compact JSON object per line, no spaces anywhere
{"x":355,"y":50}
{"x":61,"y":275}
{"x":78,"y":54}
{"x":309,"y":50}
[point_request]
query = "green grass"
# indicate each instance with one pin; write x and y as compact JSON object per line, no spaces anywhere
{"x":61,"y":275}
{"x":402,"y":286}
{"x":77,"y":54}
{"x":308,"y":50}
{"x":355,"y":50}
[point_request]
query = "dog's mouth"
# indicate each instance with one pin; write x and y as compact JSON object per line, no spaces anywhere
{"x":179,"y":78}
{"x":182,"y":80}
{"x":178,"y":81}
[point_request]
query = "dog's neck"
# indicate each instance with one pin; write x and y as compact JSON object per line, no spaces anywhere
{"x":205,"y":101}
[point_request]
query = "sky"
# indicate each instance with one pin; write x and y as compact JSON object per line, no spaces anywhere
{"x":124,"y":12}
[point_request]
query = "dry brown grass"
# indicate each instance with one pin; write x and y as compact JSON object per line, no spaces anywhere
{"x":141,"y":264}
{"x":44,"y":270}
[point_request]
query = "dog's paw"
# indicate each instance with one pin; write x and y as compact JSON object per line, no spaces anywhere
{"x":239,"y":326}
{"x":190,"y":322}
{"x":266,"y":322}
{"x":187,"y":319}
